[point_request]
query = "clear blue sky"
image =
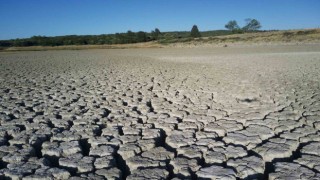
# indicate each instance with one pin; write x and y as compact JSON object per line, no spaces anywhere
{"x":25,"y":18}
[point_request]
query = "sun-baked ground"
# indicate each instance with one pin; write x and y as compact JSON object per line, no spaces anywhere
{"x":225,"y":113}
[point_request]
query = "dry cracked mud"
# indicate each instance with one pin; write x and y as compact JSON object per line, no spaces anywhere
{"x":198,"y":113}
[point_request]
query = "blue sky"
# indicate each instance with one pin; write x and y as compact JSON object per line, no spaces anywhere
{"x":25,"y":18}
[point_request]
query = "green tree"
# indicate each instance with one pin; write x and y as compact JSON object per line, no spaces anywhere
{"x":141,"y":36}
{"x":251,"y":25}
{"x":131,"y":37}
{"x":157,"y":31}
{"x":195,"y":32}
{"x":232,"y":25}
{"x":5,"y":43}
{"x":118,"y":39}
{"x":155,"y":34}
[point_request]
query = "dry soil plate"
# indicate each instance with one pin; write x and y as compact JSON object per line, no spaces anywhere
{"x":216,"y":113}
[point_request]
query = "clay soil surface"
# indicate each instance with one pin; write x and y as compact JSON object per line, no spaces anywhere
{"x":237,"y":112}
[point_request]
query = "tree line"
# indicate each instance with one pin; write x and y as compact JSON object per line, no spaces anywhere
{"x":118,"y":38}
{"x":129,"y":36}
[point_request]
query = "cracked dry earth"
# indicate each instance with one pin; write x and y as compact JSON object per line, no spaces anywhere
{"x":201,"y":113}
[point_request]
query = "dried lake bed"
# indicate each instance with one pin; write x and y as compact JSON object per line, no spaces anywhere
{"x":239,"y":112}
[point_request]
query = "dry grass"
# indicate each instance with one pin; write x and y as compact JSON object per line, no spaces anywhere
{"x":309,"y":35}
{"x":272,"y":37}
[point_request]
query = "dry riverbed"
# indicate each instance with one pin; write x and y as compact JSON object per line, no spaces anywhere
{"x":218,"y":113}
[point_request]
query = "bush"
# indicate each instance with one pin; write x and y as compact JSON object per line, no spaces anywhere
{"x":287,"y":34}
{"x":306,"y":32}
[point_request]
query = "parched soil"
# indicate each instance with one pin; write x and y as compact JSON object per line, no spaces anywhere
{"x":239,"y":112}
